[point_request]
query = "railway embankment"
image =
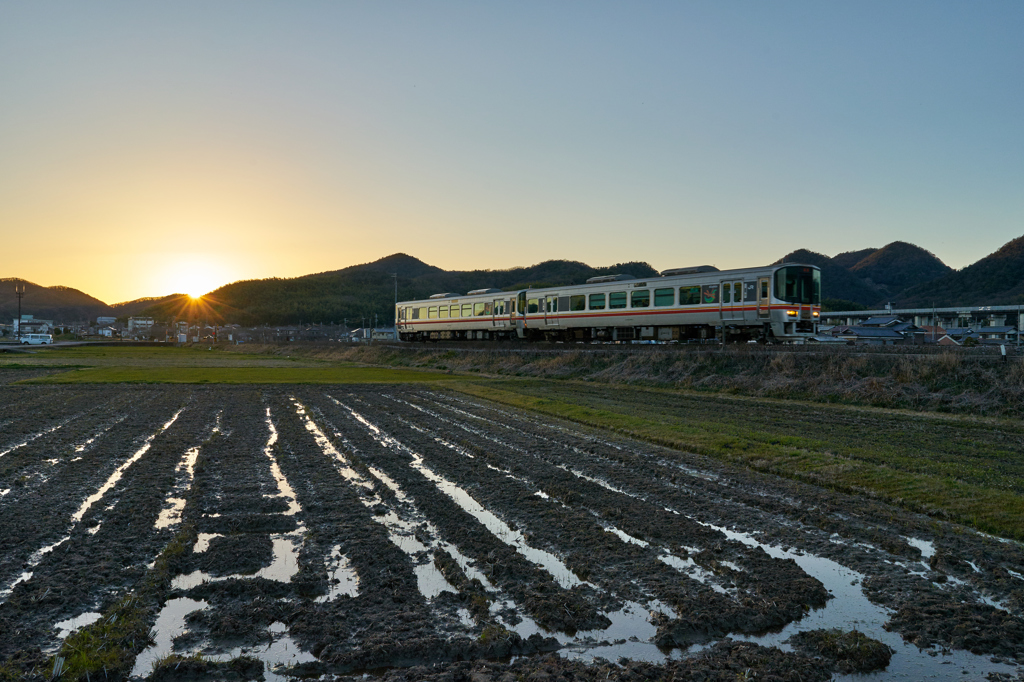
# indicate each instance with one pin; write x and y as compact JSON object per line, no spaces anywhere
{"x":959,"y":381}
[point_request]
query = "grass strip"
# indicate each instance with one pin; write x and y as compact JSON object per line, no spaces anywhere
{"x":242,"y":375}
{"x":917,"y":480}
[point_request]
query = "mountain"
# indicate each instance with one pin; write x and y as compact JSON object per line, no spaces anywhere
{"x":837,"y":282}
{"x":59,"y":303}
{"x":899,"y":266}
{"x":871,"y":277}
{"x":359,"y":292}
{"x":130,"y":308}
{"x":996,"y":279}
{"x":848,"y":259}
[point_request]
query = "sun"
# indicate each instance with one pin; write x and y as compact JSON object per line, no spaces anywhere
{"x":194,"y":275}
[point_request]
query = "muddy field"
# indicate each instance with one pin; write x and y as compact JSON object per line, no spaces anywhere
{"x":409,"y":533}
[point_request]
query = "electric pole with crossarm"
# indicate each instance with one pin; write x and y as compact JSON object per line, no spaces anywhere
{"x":19,"y":291}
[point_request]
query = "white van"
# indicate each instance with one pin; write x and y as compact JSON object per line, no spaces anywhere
{"x":36,"y":339}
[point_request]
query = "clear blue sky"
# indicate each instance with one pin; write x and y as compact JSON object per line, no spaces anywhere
{"x":147,"y":148}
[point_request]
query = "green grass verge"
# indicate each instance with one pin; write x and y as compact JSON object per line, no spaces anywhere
{"x":242,"y":375}
{"x":967,"y":471}
{"x":149,"y":356}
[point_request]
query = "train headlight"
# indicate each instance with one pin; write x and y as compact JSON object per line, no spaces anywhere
{"x":817,"y":314}
{"x":791,"y":313}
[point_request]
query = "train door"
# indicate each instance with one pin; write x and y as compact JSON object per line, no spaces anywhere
{"x":498,"y":313}
{"x":732,"y":300}
{"x":519,"y":314}
{"x":750,"y":301}
{"x":550,"y":310}
{"x":764,"y":308}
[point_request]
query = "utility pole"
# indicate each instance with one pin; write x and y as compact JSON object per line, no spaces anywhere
{"x":19,"y":291}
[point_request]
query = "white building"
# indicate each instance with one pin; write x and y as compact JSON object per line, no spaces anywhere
{"x":28,"y":324}
{"x":139,"y":324}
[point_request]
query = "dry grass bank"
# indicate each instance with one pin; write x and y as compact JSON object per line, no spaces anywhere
{"x":957,"y":382}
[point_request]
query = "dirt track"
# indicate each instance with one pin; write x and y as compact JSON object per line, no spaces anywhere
{"x":335,"y":531}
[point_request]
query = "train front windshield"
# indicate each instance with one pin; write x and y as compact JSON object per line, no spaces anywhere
{"x":798,"y":284}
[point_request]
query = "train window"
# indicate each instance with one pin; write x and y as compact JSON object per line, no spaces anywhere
{"x":737,"y":292}
{"x":478,"y":309}
{"x":617,"y":299}
{"x":432,"y":313}
{"x":423,"y":313}
{"x":597,"y":301}
{"x":455,"y":310}
{"x":689,"y":295}
{"x":552,"y":304}
{"x":401,"y":313}
{"x":443,"y":311}
{"x":512,"y":306}
{"x":522,"y":302}
{"x":709,"y":293}
{"x":664,"y":297}
{"x":488,"y":309}
{"x":467,"y":310}
{"x":499,"y":307}
{"x":640,"y":299}
{"x":727,"y":293}
{"x":533,"y":305}
{"x":578,"y":302}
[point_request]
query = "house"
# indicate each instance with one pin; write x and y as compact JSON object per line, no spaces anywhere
{"x":958,"y":333}
{"x":932,"y":333}
{"x":383,"y":334}
{"x":886,"y":321}
{"x":28,"y":324}
{"x":1001,"y":333}
{"x":875,"y":336}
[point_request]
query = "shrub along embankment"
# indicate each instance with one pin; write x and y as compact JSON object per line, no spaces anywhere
{"x":958,"y":381}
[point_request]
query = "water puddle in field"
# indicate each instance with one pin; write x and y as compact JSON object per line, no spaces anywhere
{"x":203,"y":542}
{"x":342,"y":579}
{"x":66,"y":627}
{"x":282,"y":568}
{"x":38,"y":555}
{"x":81,"y":447}
{"x":630,"y":635}
{"x":170,"y":623}
{"x":850,"y":610}
{"x":558,"y":570}
{"x":119,"y":472}
{"x":402,"y":532}
{"x":694,"y":570}
{"x":284,"y":489}
{"x":42,"y":433}
{"x":174,"y":505}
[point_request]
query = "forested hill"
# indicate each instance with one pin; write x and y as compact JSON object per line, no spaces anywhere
{"x":129,"y":308}
{"x":58,"y":303}
{"x":361,"y":291}
{"x":997,"y":279}
{"x":873,"y":277}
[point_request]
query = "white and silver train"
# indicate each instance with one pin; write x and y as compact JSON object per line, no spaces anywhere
{"x":776,"y":303}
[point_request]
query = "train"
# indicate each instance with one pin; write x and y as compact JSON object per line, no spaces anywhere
{"x":772,"y":304}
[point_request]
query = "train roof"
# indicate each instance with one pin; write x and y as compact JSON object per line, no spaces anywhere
{"x":708,"y":271}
